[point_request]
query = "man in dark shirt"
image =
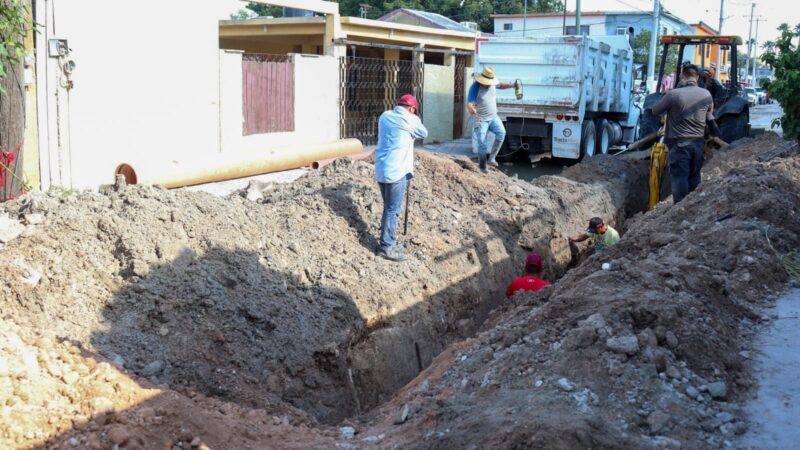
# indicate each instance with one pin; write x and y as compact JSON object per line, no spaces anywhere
{"x":531,"y":281}
{"x":689,"y":111}
{"x":713,"y":85}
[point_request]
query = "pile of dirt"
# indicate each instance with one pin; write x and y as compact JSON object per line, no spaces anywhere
{"x":52,"y":388}
{"x":649,"y":354}
{"x":283,"y":299}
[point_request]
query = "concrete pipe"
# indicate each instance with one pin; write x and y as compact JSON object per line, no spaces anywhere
{"x":221,"y":167}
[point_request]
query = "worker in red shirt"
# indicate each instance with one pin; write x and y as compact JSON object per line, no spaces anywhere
{"x":531,"y":281}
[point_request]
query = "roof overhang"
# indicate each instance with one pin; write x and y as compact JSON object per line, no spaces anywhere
{"x":353,"y":29}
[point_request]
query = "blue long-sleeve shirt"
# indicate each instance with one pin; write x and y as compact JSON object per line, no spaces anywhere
{"x":394,"y":154}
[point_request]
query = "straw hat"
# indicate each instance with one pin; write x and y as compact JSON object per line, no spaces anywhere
{"x":486,"y":77}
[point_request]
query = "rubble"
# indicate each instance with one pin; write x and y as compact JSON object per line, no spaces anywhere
{"x":255,"y":322}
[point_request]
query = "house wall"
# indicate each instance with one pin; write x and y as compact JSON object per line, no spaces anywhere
{"x":644,"y":21}
{"x":547,"y":26}
{"x":437,"y":98}
{"x":134,"y":96}
{"x":316,"y":103}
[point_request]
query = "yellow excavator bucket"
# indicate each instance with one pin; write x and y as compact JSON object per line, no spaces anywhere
{"x":658,"y":165}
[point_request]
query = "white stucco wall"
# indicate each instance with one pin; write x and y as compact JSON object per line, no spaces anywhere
{"x":437,"y":102}
{"x":547,"y":26}
{"x":316,"y":97}
{"x":146,"y":83}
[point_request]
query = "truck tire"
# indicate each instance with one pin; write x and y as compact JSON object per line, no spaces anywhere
{"x":603,"y":137}
{"x":588,"y":139}
{"x":733,"y":126}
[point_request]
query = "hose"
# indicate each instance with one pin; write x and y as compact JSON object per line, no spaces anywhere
{"x":790,"y":261}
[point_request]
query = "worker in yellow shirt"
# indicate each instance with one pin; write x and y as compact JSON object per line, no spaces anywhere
{"x":601,"y":234}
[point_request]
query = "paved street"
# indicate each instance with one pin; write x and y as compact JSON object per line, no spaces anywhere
{"x":761,"y":116}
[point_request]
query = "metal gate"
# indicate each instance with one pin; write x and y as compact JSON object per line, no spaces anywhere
{"x":368,"y":87}
{"x":458,"y":96}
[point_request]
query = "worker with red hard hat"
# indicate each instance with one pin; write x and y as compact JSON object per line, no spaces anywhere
{"x":531,"y":281}
{"x":394,"y":167}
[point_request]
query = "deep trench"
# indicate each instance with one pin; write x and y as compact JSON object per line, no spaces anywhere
{"x":381,"y":357}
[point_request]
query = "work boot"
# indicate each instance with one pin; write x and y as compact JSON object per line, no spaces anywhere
{"x":393,"y":254}
{"x":493,"y":154}
{"x":482,"y":163}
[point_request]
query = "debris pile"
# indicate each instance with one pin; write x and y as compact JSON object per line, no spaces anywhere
{"x":213,"y":320}
{"x":284,"y":299}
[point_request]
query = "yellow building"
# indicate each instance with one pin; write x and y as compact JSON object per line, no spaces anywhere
{"x":705,"y":55}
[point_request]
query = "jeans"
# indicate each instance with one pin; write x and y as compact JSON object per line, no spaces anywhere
{"x":392,"y":194}
{"x":685,"y":163}
{"x":481,"y":127}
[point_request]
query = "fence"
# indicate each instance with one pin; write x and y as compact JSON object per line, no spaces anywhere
{"x":368,"y":87}
{"x":268,"y":93}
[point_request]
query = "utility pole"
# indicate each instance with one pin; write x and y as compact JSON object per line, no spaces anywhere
{"x":564,"y":25}
{"x":719,"y":48}
{"x":651,"y":61}
{"x":578,"y":17}
{"x":755,"y":53}
{"x":524,"y":17}
{"x":749,"y":42}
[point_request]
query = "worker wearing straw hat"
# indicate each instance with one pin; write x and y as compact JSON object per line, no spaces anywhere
{"x":482,"y":104}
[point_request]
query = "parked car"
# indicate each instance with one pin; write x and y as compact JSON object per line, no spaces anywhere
{"x":752,"y":97}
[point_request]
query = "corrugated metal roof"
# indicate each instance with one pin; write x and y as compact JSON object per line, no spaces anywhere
{"x":435,"y":20}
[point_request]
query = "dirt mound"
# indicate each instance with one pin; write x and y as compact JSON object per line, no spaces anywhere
{"x":283,"y":299}
{"x":54,"y":388}
{"x":645,"y":355}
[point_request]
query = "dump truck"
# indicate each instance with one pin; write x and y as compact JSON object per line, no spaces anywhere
{"x":577,"y":95}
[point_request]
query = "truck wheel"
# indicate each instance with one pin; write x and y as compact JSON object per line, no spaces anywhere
{"x":588,"y":139}
{"x":603,"y":136}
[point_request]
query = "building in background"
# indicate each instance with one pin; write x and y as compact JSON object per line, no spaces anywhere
{"x":593,"y":23}
{"x":705,"y":55}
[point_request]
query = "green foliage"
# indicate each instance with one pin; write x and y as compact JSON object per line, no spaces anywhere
{"x":477,"y":11}
{"x":783,"y":55}
{"x":12,"y":34}
{"x":641,"y":52}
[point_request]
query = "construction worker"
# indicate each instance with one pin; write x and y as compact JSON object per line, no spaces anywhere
{"x":531,"y":281}
{"x":689,"y":111}
{"x":602,"y":235}
{"x":713,"y":85}
{"x":394,"y":167}
{"x":482,"y":104}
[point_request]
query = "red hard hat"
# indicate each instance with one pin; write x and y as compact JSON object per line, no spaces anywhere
{"x":408,"y":100}
{"x":534,"y":261}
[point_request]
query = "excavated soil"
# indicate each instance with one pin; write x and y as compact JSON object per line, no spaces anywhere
{"x":283,"y":299}
{"x":165,"y":319}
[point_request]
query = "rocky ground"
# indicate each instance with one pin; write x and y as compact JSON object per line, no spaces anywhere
{"x":146,"y":318}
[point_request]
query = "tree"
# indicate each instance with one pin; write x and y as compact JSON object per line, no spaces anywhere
{"x":641,"y":52}
{"x":12,"y":35}
{"x":783,"y":55}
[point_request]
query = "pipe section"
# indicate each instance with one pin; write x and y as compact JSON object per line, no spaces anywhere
{"x":316,"y":165}
{"x":223,"y":167}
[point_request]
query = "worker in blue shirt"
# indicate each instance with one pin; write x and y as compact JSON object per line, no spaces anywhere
{"x":482,"y":104}
{"x":394,"y":166}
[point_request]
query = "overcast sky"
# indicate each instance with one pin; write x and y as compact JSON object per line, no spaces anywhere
{"x":737,"y":12}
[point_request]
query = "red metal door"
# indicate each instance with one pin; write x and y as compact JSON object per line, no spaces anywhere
{"x":268,"y":93}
